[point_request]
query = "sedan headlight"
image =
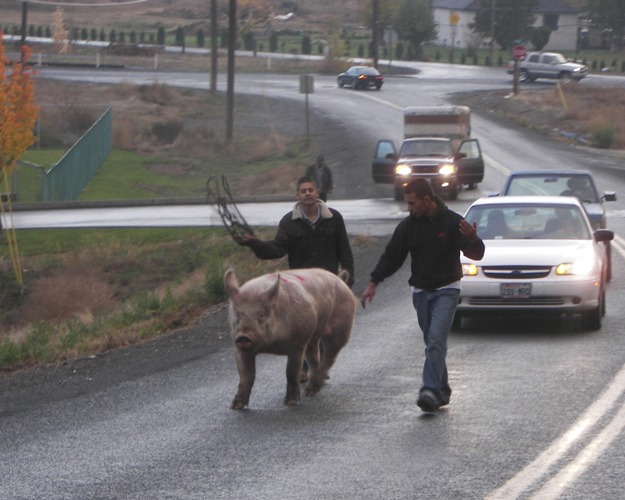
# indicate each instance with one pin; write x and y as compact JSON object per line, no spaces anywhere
{"x":447,"y":169}
{"x":469,"y":269}
{"x":403,"y":169}
{"x":574,"y":268}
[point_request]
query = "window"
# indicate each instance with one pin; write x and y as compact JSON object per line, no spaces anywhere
{"x":551,"y":21}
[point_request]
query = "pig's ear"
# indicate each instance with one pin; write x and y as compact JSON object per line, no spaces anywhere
{"x":231,"y":283}
{"x":272,"y":293}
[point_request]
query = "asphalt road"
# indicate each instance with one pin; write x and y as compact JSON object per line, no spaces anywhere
{"x":536,"y":411}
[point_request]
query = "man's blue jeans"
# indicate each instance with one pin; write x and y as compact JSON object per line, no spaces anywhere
{"x":435,"y":314}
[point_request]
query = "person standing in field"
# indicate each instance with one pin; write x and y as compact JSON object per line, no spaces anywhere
{"x":322,"y":175}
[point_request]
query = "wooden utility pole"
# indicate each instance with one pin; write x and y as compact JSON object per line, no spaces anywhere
{"x":492,"y":32}
{"x":214,"y":46}
{"x":232,"y":42}
{"x":375,"y":32}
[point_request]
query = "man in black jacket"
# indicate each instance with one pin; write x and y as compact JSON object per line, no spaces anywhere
{"x":434,"y":236}
{"x":312,"y":235}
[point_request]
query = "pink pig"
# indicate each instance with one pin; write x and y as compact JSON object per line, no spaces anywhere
{"x":288,"y":313}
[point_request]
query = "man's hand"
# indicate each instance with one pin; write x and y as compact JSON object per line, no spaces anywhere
{"x":246,"y":239}
{"x":469,"y":231}
{"x":368,"y":294}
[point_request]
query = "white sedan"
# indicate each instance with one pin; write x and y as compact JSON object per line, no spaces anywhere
{"x":541,"y":257}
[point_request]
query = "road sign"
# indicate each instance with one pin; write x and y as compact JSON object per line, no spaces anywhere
{"x":453,"y":18}
{"x":519,"y":52}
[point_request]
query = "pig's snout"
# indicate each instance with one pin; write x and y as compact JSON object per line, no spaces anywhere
{"x":243,"y":342}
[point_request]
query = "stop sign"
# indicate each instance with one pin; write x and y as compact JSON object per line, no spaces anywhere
{"x":519,"y":52}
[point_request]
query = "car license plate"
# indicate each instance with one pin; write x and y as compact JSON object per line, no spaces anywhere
{"x":516,"y":290}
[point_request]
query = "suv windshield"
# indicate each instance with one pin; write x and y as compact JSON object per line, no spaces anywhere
{"x":426,"y":148}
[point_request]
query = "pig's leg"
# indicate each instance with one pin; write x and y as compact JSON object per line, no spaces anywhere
{"x":293,"y":370}
{"x":312,"y":355}
{"x":246,"y":363}
{"x":333,"y":342}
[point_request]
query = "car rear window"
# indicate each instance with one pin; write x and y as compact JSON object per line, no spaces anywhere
{"x":579,"y":186}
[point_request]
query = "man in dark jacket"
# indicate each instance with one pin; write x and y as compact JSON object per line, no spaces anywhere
{"x":434,"y":236}
{"x":312,"y":235}
{"x":322,"y":175}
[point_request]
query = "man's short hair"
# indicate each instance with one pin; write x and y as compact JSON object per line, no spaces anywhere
{"x":420,"y":187}
{"x":305,"y":179}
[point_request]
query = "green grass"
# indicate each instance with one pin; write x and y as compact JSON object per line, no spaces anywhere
{"x":126,"y":175}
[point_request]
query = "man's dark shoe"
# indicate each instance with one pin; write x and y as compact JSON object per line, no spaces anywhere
{"x":428,"y":401}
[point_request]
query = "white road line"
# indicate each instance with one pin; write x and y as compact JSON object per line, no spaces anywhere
{"x":522,"y":482}
{"x":588,"y":456}
{"x":619,"y":245}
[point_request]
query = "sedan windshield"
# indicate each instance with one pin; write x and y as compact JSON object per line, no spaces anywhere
{"x":514,"y":222}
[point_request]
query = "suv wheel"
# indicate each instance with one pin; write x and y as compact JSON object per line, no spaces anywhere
{"x":565,"y":77}
{"x":399,"y":193}
{"x":452,"y":192}
{"x":524,"y":76}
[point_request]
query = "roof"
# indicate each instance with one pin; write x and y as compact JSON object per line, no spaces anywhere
{"x":544,"y":6}
{"x":549,"y":173}
{"x":526,"y":200}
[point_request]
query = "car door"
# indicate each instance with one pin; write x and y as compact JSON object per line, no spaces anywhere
{"x":548,"y":66}
{"x":384,"y":162}
{"x":470,"y":163}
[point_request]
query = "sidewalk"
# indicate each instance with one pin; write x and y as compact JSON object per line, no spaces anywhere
{"x":376,"y":217}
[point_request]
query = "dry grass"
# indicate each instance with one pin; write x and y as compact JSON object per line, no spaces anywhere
{"x":190,"y":14}
{"x":578,"y":112}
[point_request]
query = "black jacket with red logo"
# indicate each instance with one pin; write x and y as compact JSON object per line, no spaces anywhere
{"x":434,"y":244}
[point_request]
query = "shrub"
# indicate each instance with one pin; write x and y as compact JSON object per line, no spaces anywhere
{"x":603,"y":137}
{"x":166,"y":131}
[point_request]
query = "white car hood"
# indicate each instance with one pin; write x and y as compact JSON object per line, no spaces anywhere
{"x":533,"y":252}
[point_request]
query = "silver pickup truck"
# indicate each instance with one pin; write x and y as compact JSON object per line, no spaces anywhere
{"x":548,"y":65}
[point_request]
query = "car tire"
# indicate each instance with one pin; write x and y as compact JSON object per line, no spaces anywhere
{"x":591,"y":320}
{"x":524,"y":76}
{"x":472,"y":185}
{"x":341,"y":83}
{"x":378,"y":87}
{"x":565,"y":77}
{"x":399,"y":193}
{"x":608,"y":271}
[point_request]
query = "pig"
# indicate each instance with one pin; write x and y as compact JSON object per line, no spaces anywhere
{"x":287,"y":313}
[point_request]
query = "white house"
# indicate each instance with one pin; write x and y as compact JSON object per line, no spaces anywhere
{"x":561,"y":19}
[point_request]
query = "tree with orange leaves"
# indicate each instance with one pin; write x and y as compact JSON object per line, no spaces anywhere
{"x":18,"y":115}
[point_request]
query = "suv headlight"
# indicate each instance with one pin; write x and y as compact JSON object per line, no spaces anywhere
{"x":403,"y":169}
{"x":447,"y":169}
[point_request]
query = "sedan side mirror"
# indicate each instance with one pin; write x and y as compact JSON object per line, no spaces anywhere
{"x":603,"y":235}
